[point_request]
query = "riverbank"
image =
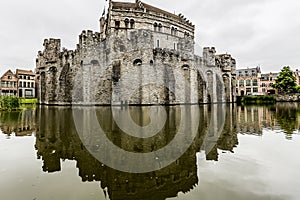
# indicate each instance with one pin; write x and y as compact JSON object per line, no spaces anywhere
{"x":268,"y":99}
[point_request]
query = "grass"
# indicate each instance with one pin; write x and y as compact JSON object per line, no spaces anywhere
{"x":28,"y":101}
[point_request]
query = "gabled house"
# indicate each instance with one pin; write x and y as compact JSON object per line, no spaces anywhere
{"x":9,"y":84}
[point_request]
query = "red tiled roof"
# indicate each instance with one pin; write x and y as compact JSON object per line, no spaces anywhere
{"x":25,"y":72}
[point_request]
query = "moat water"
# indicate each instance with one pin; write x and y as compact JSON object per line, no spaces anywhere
{"x":226,"y":152}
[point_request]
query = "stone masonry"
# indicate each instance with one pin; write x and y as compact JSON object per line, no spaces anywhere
{"x":142,"y":55}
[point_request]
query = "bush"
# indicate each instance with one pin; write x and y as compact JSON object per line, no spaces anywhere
{"x":9,"y":102}
{"x":258,"y":99}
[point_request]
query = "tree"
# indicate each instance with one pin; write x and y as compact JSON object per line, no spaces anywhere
{"x":286,"y":81}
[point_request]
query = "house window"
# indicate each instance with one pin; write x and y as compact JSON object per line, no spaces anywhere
{"x":248,"y":90}
{"x":21,"y":84}
{"x":32,"y":85}
{"x":263,"y":85}
{"x":248,"y":82}
{"x":255,"y":82}
{"x":28,"y":93}
{"x":241,"y":82}
{"x":255,"y":89}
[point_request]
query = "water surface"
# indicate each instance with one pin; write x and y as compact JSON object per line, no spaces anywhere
{"x":247,"y":153}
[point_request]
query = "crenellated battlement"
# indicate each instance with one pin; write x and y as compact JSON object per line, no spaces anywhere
{"x":89,"y":37}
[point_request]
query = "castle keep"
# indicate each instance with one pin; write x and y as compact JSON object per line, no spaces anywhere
{"x":142,"y":55}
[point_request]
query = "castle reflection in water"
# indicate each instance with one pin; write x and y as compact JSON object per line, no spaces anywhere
{"x":58,"y":140}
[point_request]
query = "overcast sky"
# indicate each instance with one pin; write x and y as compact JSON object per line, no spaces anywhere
{"x":263,"y":33}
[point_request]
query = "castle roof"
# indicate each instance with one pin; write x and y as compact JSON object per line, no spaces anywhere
{"x":137,"y":4}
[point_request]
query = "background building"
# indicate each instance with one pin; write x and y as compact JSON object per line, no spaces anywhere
{"x":21,"y":84}
{"x":248,"y":81}
{"x":266,"y":83}
{"x":251,"y":81}
{"x":9,"y":84}
{"x":26,"y":83}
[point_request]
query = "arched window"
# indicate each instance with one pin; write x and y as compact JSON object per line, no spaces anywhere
{"x":185,"y":67}
{"x":53,"y":69}
{"x":155,"y":26}
{"x":126,"y":23}
{"x":132,"y":23}
{"x":175,"y":32}
{"x":172,"y":31}
{"x":94,"y":62}
{"x":137,"y":62}
{"x":159,"y":27}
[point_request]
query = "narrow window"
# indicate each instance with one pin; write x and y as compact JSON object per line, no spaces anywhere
{"x":155,"y":26}
{"x":126,"y":23}
{"x":117,"y":24}
{"x":132,"y":23}
{"x":157,"y":43}
{"x":159,"y":27}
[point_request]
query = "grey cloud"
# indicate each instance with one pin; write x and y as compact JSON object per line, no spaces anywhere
{"x":255,"y":32}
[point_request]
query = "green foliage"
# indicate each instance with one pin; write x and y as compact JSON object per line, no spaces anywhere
{"x":286,"y":81}
{"x":9,"y":102}
{"x":297,"y":89}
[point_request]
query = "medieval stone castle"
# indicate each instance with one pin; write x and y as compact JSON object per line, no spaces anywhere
{"x":142,"y":55}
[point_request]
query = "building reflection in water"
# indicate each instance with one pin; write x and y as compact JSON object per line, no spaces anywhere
{"x":58,"y":140}
{"x":280,"y":116}
{"x":20,"y":123}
